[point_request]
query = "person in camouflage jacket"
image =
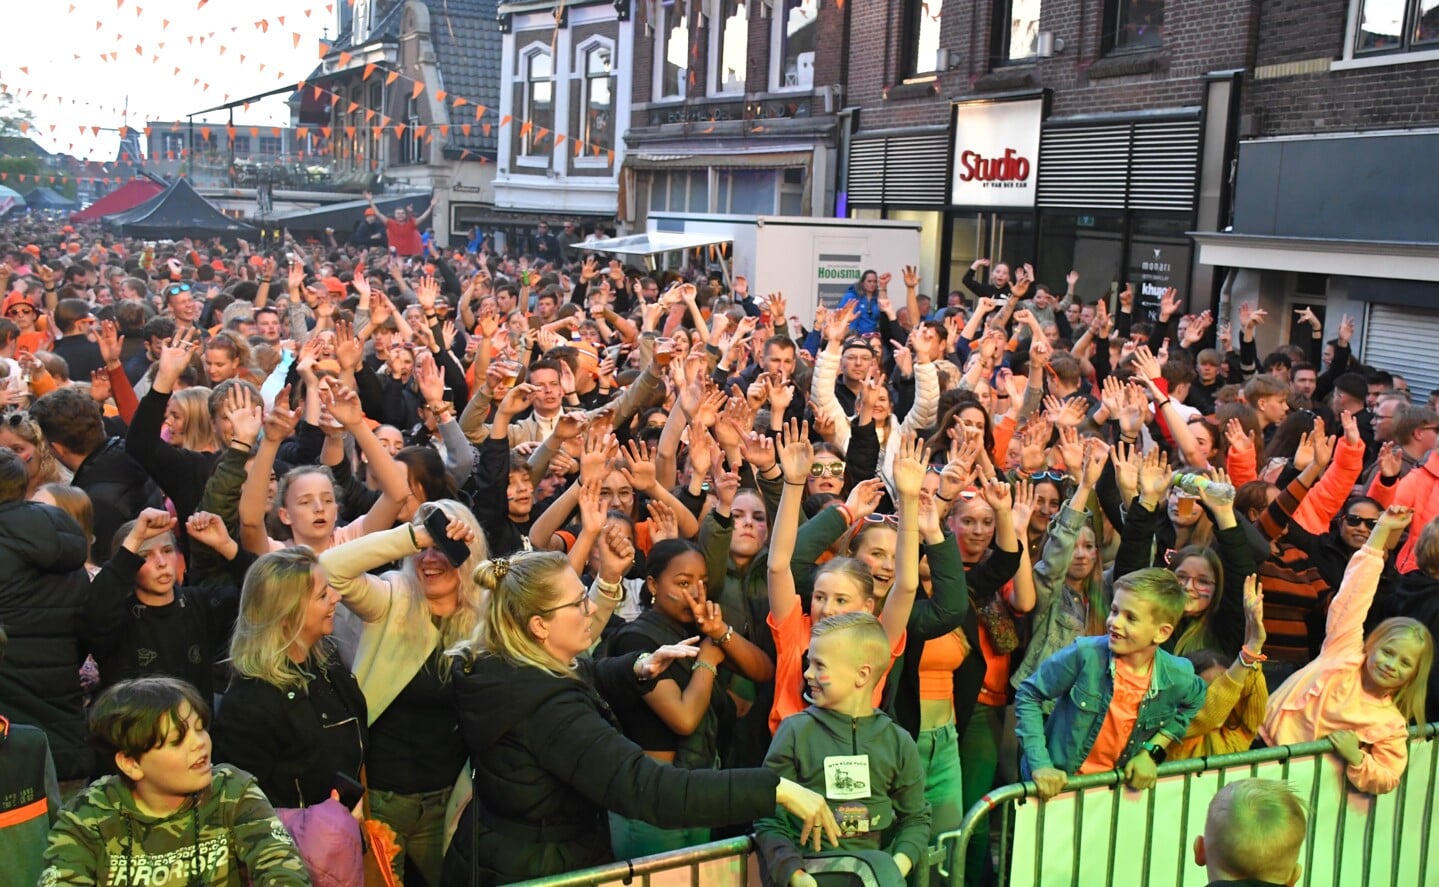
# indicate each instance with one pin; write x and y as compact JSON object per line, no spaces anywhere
{"x":168,"y":817}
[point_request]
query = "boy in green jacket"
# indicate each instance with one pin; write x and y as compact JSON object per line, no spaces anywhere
{"x":866,"y":765}
{"x":169,"y":817}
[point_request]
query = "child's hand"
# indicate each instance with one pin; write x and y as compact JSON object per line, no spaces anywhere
{"x":903,"y":863}
{"x":1254,"y":634}
{"x":802,"y":878}
{"x":1140,"y":772}
{"x":1346,"y":745}
{"x":1050,"y":781}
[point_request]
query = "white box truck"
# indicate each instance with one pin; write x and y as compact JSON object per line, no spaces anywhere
{"x":811,"y":260}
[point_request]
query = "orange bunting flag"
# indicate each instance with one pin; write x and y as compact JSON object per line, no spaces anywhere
{"x":350,"y":131}
{"x":254,"y":132}
{"x":369,"y":69}
{"x":486,"y":128}
{"x":264,"y":25}
{"x":344,"y":60}
{"x":559,"y":138}
{"x":505,"y":120}
{"x":280,"y":18}
{"x":164,"y":23}
{"x":524,"y":127}
{"x":325,"y":130}
{"x":541,"y":134}
{"x":296,"y":36}
{"x":392,"y":77}
{"x":324,"y":49}
{"x":318,"y":90}
{"x":399,"y":129}
{"x":230,"y":131}
{"x":579,"y":148}
{"x":419,"y":130}
{"x":440,"y":95}
{"x":24,"y":127}
{"x":465,"y":128}
{"x":461,"y":101}
{"x":354,"y":106}
{"x":302,"y":133}
{"x":419,"y":88}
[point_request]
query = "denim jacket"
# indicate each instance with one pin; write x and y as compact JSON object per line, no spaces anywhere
{"x":1080,"y":681}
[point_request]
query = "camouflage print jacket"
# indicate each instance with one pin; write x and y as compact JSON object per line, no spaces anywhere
{"x":102,"y":838}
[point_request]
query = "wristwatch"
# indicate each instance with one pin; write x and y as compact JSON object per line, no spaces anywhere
{"x":1157,"y":753}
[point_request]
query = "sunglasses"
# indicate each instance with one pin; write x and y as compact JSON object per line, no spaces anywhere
{"x":833,"y":469}
{"x":1355,"y":520}
{"x":20,"y":309}
{"x":584,"y":605}
{"x":176,"y":288}
{"x":1058,"y":477}
{"x":891,"y":519}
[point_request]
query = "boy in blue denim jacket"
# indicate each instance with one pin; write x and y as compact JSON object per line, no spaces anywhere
{"x":1119,"y":701}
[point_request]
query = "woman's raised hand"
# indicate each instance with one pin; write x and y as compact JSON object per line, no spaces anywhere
{"x":796,"y":453}
{"x":909,"y":465}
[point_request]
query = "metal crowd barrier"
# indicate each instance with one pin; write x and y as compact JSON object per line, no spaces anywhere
{"x":1096,"y":832}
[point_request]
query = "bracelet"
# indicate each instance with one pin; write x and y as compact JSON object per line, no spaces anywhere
{"x":1251,"y":660}
{"x":942,"y":498}
{"x":610,"y":591}
{"x":1161,"y":404}
{"x":791,"y":483}
{"x":241,"y":445}
{"x":700,"y":663}
{"x":725,"y":638}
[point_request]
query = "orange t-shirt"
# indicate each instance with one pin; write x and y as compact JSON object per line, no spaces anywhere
{"x":791,"y":642}
{"x":1129,"y":690}
{"x":941,"y":656}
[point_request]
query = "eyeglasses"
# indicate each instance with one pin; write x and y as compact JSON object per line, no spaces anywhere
{"x":1058,"y":477}
{"x":1355,"y":520}
{"x":891,"y":519}
{"x":1426,"y":428}
{"x":1203,"y":587}
{"x":833,"y":469}
{"x":20,"y":309}
{"x":584,"y":605}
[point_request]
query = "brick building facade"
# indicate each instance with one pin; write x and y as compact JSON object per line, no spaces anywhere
{"x":1334,"y":192}
{"x":1124,"y":111}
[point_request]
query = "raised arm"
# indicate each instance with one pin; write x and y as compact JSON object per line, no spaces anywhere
{"x":909,"y":470}
{"x":393,"y":477}
{"x":796,"y":455}
{"x":280,"y":423}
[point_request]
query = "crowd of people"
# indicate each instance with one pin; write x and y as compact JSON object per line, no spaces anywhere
{"x":541,"y":561}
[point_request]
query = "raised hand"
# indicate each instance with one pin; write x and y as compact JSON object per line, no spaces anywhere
{"x":174,"y":358}
{"x":428,"y":378}
{"x":591,"y":506}
{"x":1240,"y":441}
{"x":617,"y":553}
{"x":665,"y":526}
{"x":909,"y":465}
{"x":1126,"y":459}
{"x":864,"y":498}
{"x":911,"y":280}
{"x":1391,"y":459}
{"x":280,"y":422}
{"x":343,"y":403}
{"x":208,"y":529}
{"x":758,"y":450}
{"x":245,"y":415}
{"x":516,"y":400}
{"x":796,"y":453}
{"x":109,"y":341}
{"x":600,"y":447}
{"x":1025,"y":501}
{"x":1154,"y":476}
{"x":1254,"y":634}
{"x":999,"y":496}
{"x":640,"y":468}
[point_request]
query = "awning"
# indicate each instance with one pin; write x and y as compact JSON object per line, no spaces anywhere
{"x":1349,"y":258}
{"x":762,"y":160}
{"x":343,"y":217}
{"x":655,"y":242}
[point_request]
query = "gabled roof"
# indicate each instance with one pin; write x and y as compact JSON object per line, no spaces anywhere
{"x":466,"y":34}
{"x":48,"y":198}
{"x":122,"y":199}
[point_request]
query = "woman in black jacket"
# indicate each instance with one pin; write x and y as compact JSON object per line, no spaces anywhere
{"x":548,"y":759}
{"x":294,"y":715}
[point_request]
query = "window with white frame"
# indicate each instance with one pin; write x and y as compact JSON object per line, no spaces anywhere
{"x":680,"y":191}
{"x":672,"y":50}
{"x":596,"y":62}
{"x":729,"y":47}
{"x":537,"y":68}
{"x":412,"y":146}
{"x":1386,"y":26}
{"x":796,"y":30}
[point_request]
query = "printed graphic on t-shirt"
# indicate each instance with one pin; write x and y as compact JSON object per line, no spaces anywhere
{"x":846,"y":777}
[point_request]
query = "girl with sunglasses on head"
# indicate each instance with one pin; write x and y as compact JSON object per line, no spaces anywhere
{"x":22,"y":435}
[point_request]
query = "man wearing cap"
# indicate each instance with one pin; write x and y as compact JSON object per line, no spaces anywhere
{"x":370,"y":231}
{"x":20,"y":309}
{"x":82,"y":356}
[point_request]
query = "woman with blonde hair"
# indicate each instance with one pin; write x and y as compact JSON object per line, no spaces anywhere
{"x":293,"y":715}
{"x":188,"y":423}
{"x":76,"y":503}
{"x":548,"y":761}
{"x":22,"y":434}
{"x":409,"y":617}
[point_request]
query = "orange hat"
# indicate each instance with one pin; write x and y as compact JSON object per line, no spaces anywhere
{"x":257,"y":261}
{"x":334,"y":284}
{"x":15,"y":298}
{"x":68,"y":229}
{"x":33,"y":250}
{"x":370,"y":211}
{"x":218,"y":265}
{"x":429,"y":269}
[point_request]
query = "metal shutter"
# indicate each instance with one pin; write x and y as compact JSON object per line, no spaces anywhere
{"x":1134,"y":165}
{"x":900,"y":170}
{"x":1402,"y":340}
{"x":1164,"y":162}
{"x":1084,"y":166}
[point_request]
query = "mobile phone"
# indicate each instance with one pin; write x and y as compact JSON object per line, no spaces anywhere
{"x":350,"y":790}
{"x":436,"y":522}
{"x":613,"y":353}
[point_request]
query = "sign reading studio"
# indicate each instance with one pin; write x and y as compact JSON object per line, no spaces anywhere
{"x":996,"y":153}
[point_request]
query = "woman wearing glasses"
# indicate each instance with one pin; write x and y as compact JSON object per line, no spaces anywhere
{"x":548,"y":761}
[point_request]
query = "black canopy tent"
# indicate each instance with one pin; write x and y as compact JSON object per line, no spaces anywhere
{"x":343,"y":217}
{"x":49,"y":198}
{"x":179,"y":211}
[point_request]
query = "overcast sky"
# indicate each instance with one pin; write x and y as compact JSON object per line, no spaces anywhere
{"x":62,"y":51}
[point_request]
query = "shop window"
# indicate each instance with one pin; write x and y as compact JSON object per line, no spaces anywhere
{"x":921,"y":36}
{"x":539,"y":102}
{"x":597,"y":103}
{"x":680,"y":191}
{"x":672,"y":47}
{"x":796,"y":31}
{"x":729,"y":47}
{"x":1133,"y":24}
{"x":1395,"y":25}
{"x":1015,"y":31}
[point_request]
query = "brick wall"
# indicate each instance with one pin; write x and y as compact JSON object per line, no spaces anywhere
{"x":1199,"y":36}
{"x":1306,"y":33}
